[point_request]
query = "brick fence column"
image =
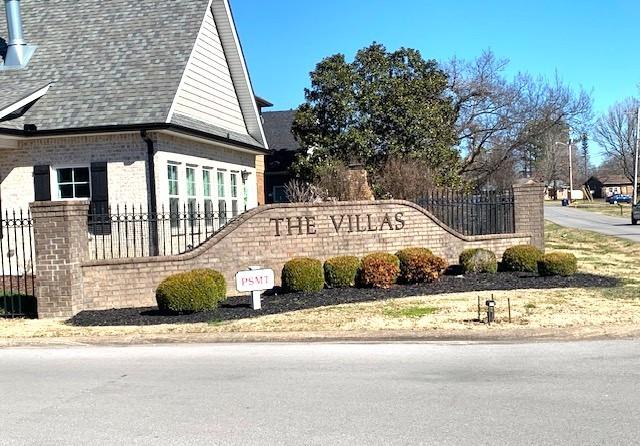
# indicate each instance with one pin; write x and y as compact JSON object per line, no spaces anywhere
{"x":60,"y":237}
{"x":529,"y":211}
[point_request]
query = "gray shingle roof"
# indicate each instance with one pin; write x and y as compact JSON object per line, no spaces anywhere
{"x":115,"y":62}
{"x":277,"y":130}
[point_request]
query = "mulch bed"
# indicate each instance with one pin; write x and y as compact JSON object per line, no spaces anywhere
{"x":274,"y":303}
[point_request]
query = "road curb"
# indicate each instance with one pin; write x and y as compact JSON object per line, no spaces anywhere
{"x":493,"y":337}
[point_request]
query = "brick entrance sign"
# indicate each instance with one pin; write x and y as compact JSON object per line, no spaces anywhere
{"x":266,"y":236}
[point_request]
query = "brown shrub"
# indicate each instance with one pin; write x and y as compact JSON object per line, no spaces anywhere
{"x":379,"y":270}
{"x":419,"y":265}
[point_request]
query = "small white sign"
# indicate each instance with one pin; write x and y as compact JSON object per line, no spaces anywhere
{"x":255,"y":280}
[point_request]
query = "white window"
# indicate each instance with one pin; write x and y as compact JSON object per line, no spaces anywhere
{"x":234,"y":185}
{"x":192,"y":198}
{"x":222,"y":201}
{"x":73,"y":183}
{"x":220,"y":182}
{"x":234,"y":194}
{"x":206,"y":192}
{"x":174,"y":196}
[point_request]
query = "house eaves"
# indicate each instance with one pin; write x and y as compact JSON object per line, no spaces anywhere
{"x":29,"y":133}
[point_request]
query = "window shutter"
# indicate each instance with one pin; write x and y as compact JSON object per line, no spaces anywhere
{"x":42,"y":183}
{"x":100,"y":221}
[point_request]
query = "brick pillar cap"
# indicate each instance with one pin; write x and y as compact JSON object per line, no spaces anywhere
{"x":529,"y":183}
{"x":60,"y":203}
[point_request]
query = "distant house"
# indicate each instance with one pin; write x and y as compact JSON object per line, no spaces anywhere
{"x":140,"y":102}
{"x":284,"y":147}
{"x":555,"y":190}
{"x":609,"y":185}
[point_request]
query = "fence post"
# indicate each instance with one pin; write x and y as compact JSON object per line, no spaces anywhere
{"x":528,"y":211}
{"x":61,"y":246}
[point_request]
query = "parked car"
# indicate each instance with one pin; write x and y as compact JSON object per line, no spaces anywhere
{"x":619,"y":198}
{"x":635,"y":214}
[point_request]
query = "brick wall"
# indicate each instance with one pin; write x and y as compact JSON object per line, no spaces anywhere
{"x":269,"y":236}
{"x":529,"y":211}
{"x":67,"y":282}
{"x":126,"y":157}
{"x":124,"y":153}
{"x":60,"y":237}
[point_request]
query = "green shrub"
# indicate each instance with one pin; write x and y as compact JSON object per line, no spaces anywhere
{"x":521,"y":258}
{"x":302,"y":274}
{"x":558,"y":264}
{"x":478,"y":260}
{"x":197,"y":290}
{"x":341,"y":271}
{"x":379,"y":270}
{"x":418,"y":265}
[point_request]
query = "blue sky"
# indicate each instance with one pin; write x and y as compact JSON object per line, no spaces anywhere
{"x":589,"y":43}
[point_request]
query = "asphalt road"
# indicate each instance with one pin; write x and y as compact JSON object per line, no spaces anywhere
{"x":331,"y":394}
{"x":591,"y":221}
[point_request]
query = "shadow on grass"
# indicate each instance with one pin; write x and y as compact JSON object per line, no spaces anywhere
{"x":274,"y":302}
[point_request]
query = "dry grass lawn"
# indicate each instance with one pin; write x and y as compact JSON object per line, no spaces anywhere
{"x":611,"y":308}
{"x":604,"y":208}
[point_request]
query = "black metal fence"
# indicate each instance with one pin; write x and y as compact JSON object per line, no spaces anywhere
{"x":472,"y":213}
{"x":17,"y":256}
{"x":131,"y":231}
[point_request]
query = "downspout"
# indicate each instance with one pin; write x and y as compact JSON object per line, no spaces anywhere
{"x":153,"y":199}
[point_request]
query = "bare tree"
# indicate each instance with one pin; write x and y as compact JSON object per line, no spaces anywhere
{"x":616,"y":133}
{"x":300,"y":192}
{"x":552,"y":164}
{"x":500,"y":120}
{"x":405,"y":179}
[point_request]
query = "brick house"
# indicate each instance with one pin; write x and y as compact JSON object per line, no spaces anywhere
{"x":128,"y":102}
{"x":603,"y":187}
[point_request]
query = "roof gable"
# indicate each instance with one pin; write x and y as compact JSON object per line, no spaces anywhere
{"x":215,"y":88}
{"x":207,"y":91}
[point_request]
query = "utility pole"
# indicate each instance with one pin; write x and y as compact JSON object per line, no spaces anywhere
{"x":570,"y":169}
{"x":635,"y":169}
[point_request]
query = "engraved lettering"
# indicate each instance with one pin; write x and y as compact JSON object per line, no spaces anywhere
{"x":291,"y":227}
{"x":400,"y":221}
{"x":337,"y":225}
{"x":359,"y":229}
{"x":311,"y":225}
{"x":386,"y":221}
{"x":370,"y":224}
{"x":277,"y":220}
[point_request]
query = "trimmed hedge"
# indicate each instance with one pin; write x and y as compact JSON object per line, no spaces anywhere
{"x":521,"y":258}
{"x":419,"y":265}
{"x":379,"y":270}
{"x":302,"y":274}
{"x":341,"y":271}
{"x":558,"y":264}
{"x":478,"y":260}
{"x":192,"y":291}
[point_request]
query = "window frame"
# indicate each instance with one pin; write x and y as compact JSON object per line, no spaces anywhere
{"x":174,"y":217}
{"x":55,"y":185}
{"x":208,"y":198}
